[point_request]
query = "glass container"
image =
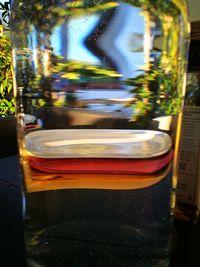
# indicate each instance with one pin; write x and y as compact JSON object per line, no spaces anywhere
{"x":99,"y":88}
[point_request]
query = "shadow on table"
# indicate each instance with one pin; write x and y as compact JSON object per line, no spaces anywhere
{"x":8,"y":137}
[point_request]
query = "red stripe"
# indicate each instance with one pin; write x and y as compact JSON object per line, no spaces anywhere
{"x":95,"y":165}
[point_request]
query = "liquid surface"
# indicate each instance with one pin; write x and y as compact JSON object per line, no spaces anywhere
{"x":97,"y":144}
{"x":54,"y":157}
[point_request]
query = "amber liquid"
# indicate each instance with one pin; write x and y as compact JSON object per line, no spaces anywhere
{"x":97,"y":219}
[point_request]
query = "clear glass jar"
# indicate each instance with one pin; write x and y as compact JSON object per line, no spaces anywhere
{"x":99,"y":89}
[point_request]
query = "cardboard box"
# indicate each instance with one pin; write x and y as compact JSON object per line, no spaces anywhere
{"x":188,"y":190}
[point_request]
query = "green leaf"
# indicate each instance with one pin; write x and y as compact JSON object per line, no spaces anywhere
{"x":10,"y":88}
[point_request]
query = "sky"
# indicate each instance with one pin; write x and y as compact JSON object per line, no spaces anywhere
{"x":2,"y":1}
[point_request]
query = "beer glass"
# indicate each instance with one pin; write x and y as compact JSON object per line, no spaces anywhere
{"x":99,"y":88}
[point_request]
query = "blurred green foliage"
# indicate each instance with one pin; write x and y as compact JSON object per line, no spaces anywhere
{"x":7,"y":101}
